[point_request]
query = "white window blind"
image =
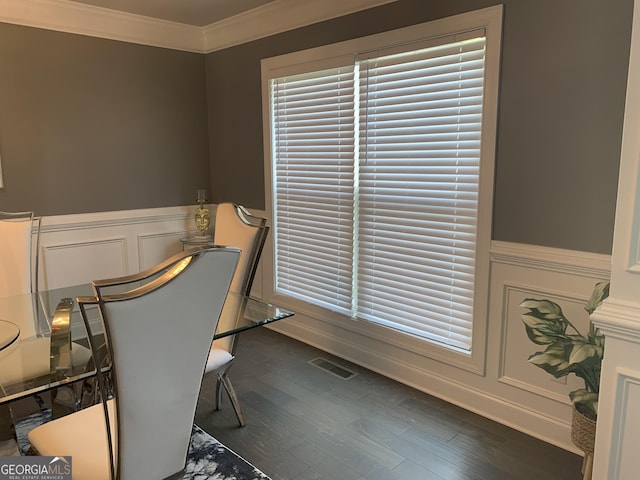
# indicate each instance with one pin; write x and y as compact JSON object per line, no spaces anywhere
{"x":420,"y":120}
{"x":375,"y":188}
{"x":313,"y":135}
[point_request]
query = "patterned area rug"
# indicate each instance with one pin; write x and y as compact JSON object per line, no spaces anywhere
{"x":208,"y":459}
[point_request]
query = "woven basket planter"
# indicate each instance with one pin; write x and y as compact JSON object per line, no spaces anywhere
{"x":583,"y":431}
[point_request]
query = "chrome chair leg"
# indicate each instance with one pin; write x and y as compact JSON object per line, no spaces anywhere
{"x":64,"y":400}
{"x":8,"y":439}
{"x":219,"y":388}
{"x":224,"y":380}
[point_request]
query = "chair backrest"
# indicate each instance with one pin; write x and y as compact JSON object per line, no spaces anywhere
{"x":236,"y":226}
{"x":158,"y":335}
{"x":18,"y":274}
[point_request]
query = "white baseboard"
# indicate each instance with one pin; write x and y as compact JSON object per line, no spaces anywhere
{"x":501,"y":410}
{"x":511,"y":391}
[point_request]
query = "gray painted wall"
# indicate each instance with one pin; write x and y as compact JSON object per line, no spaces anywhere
{"x":91,"y":125}
{"x":563,"y":85}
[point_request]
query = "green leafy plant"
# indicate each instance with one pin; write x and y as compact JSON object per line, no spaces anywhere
{"x":568,"y":351}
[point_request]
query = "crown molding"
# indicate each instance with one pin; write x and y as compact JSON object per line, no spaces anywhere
{"x":82,"y":19}
{"x":277,"y":17}
{"x":77,"y":18}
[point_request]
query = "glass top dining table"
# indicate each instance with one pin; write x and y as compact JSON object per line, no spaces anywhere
{"x":51,"y":329}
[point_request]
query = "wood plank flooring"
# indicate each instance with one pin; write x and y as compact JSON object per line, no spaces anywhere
{"x":304,"y":423}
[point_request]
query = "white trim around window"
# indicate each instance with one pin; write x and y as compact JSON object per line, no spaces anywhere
{"x":337,"y":68}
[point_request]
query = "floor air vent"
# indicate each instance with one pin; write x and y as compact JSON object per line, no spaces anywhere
{"x":332,"y":368}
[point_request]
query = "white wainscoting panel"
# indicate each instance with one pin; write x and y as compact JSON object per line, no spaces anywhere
{"x":511,"y":390}
{"x":525,"y":271}
{"x":80,"y":262}
{"x":515,"y":369}
{"x":155,"y":247}
{"x":76,"y":249}
{"x":618,"y":432}
{"x":80,"y":248}
{"x":627,"y":425}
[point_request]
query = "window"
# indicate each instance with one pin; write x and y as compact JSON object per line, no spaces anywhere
{"x":380,"y":178}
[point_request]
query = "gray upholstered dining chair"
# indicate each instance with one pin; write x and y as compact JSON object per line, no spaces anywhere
{"x":235,"y":226}
{"x":157,"y":360}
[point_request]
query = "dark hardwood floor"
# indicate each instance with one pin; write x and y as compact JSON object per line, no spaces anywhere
{"x":304,"y":423}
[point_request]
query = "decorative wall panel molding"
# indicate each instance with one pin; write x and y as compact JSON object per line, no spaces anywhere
{"x":157,"y":245}
{"x":511,"y":390}
{"x":77,"y":249}
{"x":508,"y":390}
{"x":111,"y":219}
{"x":627,"y":419}
{"x":622,"y":320}
{"x":80,"y":262}
{"x":515,"y":349}
{"x":553,"y":259}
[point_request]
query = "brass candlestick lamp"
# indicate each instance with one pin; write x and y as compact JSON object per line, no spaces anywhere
{"x":202,"y":216}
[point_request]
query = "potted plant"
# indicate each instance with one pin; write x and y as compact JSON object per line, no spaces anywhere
{"x":568,"y":351}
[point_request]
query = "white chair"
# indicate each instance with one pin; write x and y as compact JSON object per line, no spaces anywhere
{"x":18,"y":274}
{"x":16,"y":277}
{"x":158,"y":334}
{"x":235,"y":226}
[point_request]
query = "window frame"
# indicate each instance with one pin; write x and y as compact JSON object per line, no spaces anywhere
{"x":489,"y":19}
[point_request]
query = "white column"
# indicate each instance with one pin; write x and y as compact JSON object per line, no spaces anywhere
{"x":618,"y":433}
